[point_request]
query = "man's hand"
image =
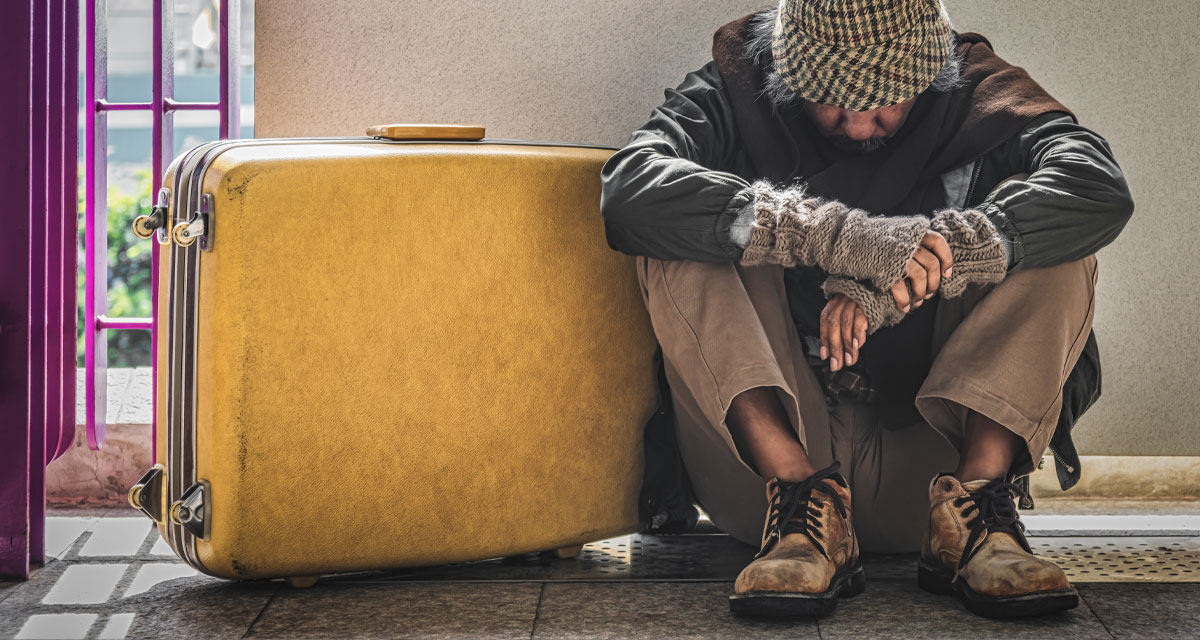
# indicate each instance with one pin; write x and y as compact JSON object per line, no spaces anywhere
{"x":843,"y":331}
{"x":931,"y":262}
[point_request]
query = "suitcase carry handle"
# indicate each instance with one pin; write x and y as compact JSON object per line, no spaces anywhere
{"x":426,"y":131}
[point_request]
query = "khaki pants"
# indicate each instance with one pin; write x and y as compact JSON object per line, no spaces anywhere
{"x":1003,"y":350}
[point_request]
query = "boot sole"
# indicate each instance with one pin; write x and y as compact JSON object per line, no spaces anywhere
{"x":937,"y":580}
{"x":788,"y":604}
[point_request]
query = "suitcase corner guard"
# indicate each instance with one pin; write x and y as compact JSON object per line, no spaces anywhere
{"x":146,"y":495}
{"x":189,"y":511}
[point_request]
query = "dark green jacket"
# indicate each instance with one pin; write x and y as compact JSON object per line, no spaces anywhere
{"x":675,"y":188}
{"x":677,"y":185}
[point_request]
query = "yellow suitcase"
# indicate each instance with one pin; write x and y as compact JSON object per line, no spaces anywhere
{"x":401,"y":350}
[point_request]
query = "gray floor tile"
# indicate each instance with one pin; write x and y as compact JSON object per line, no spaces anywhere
{"x":194,"y":607}
{"x":1146,"y":610}
{"x":28,"y":594}
{"x":894,"y":609}
{"x":145,"y":603}
{"x":623,"y":558}
{"x":6,"y":588}
{"x":890,"y":567}
{"x":424,"y":610}
{"x":653,"y":610}
{"x":24,"y":600}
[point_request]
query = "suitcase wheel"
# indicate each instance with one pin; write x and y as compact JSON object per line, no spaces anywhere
{"x":568,"y":552}
{"x":301,"y":582}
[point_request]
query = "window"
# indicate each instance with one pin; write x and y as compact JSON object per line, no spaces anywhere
{"x":158,"y":77}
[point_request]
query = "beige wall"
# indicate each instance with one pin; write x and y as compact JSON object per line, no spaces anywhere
{"x":592,"y":71}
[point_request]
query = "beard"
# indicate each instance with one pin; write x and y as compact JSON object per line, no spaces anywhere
{"x":856,"y":147}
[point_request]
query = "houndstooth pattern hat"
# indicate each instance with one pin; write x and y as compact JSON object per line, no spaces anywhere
{"x":860,"y":54}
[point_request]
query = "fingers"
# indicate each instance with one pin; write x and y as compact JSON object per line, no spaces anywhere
{"x":843,"y":331}
{"x":936,"y":244}
{"x":860,"y":329}
{"x":830,"y":306}
{"x":933,"y":272}
{"x":846,"y":326}
{"x":900,"y":294}
{"x":917,"y":279}
{"x":829,"y":327}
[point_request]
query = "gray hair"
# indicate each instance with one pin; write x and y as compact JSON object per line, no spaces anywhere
{"x":762,"y":27}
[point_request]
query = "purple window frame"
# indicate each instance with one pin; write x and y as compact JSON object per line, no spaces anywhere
{"x":162,"y":105}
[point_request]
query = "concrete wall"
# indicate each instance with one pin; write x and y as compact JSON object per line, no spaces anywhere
{"x":592,"y":71}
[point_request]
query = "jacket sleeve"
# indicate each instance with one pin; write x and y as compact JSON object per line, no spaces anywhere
{"x":1074,"y":202}
{"x":664,"y":194}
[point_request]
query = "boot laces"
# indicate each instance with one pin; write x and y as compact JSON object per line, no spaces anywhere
{"x":793,"y":511}
{"x":993,"y":508}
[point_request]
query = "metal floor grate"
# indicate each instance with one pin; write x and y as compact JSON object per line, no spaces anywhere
{"x":1123,"y":559}
{"x":718,"y":557}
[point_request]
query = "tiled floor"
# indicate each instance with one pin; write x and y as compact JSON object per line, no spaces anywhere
{"x":111,"y":577}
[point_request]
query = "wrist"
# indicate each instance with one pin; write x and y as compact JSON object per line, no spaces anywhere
{"x":977,"y":247}
{"x":878,"y":307}
{"x":740,"y":229}
{"x":780,"y":227}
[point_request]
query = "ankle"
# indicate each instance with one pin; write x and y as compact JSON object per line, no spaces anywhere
{"x":966,"y":477}
{"x":796,"y":476}
{"x":972,"y":472}
{"x":795,"y":472}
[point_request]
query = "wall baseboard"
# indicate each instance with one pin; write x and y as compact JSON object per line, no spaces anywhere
{"x":1124,"y":477}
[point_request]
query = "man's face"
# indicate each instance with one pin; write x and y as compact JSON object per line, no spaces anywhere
{"x":858,"y":132}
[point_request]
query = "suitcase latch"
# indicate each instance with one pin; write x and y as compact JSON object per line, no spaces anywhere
{"x":189,"y":510}
{"x":188,"y":232}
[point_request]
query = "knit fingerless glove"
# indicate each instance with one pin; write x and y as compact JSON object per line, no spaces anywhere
{"x":880,"y":308}
{"x":978,"y":253}
{"x":976,"y":246}
{"x":793,"y":227}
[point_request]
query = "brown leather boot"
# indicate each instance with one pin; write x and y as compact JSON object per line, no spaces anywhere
{"x":976,"y":549}
{"x":809,"y":554}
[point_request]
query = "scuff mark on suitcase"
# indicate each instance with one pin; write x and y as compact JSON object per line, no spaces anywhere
{"x":242,"y":568}
{"x":242,"y":453}
{"x":239,"y":190}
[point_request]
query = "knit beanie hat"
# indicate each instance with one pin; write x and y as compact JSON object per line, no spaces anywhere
{"x":860,"y":54}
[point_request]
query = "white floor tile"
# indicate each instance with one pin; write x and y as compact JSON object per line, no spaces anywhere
{"x":161,"y":548}
{"x":118,"y":626}
{"x":57,"y":625}
{"x":116,"y":537}
{"x":85,"y":584}
{"x":62,"y":532}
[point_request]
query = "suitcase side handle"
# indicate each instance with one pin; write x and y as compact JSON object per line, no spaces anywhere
{"x":426,"y":131}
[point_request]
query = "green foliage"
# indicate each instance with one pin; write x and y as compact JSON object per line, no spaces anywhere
{"x":128,"y":274}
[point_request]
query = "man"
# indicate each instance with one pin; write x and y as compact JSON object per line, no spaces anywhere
{"x":858,"y":175}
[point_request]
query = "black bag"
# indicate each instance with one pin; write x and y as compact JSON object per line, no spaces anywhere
{"x":666,"y":503}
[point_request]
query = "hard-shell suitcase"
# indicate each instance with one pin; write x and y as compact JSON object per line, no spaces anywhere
{"x":402,"y":350}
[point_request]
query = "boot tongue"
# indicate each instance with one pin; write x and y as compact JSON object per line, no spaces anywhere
{"x":945,"y":484}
